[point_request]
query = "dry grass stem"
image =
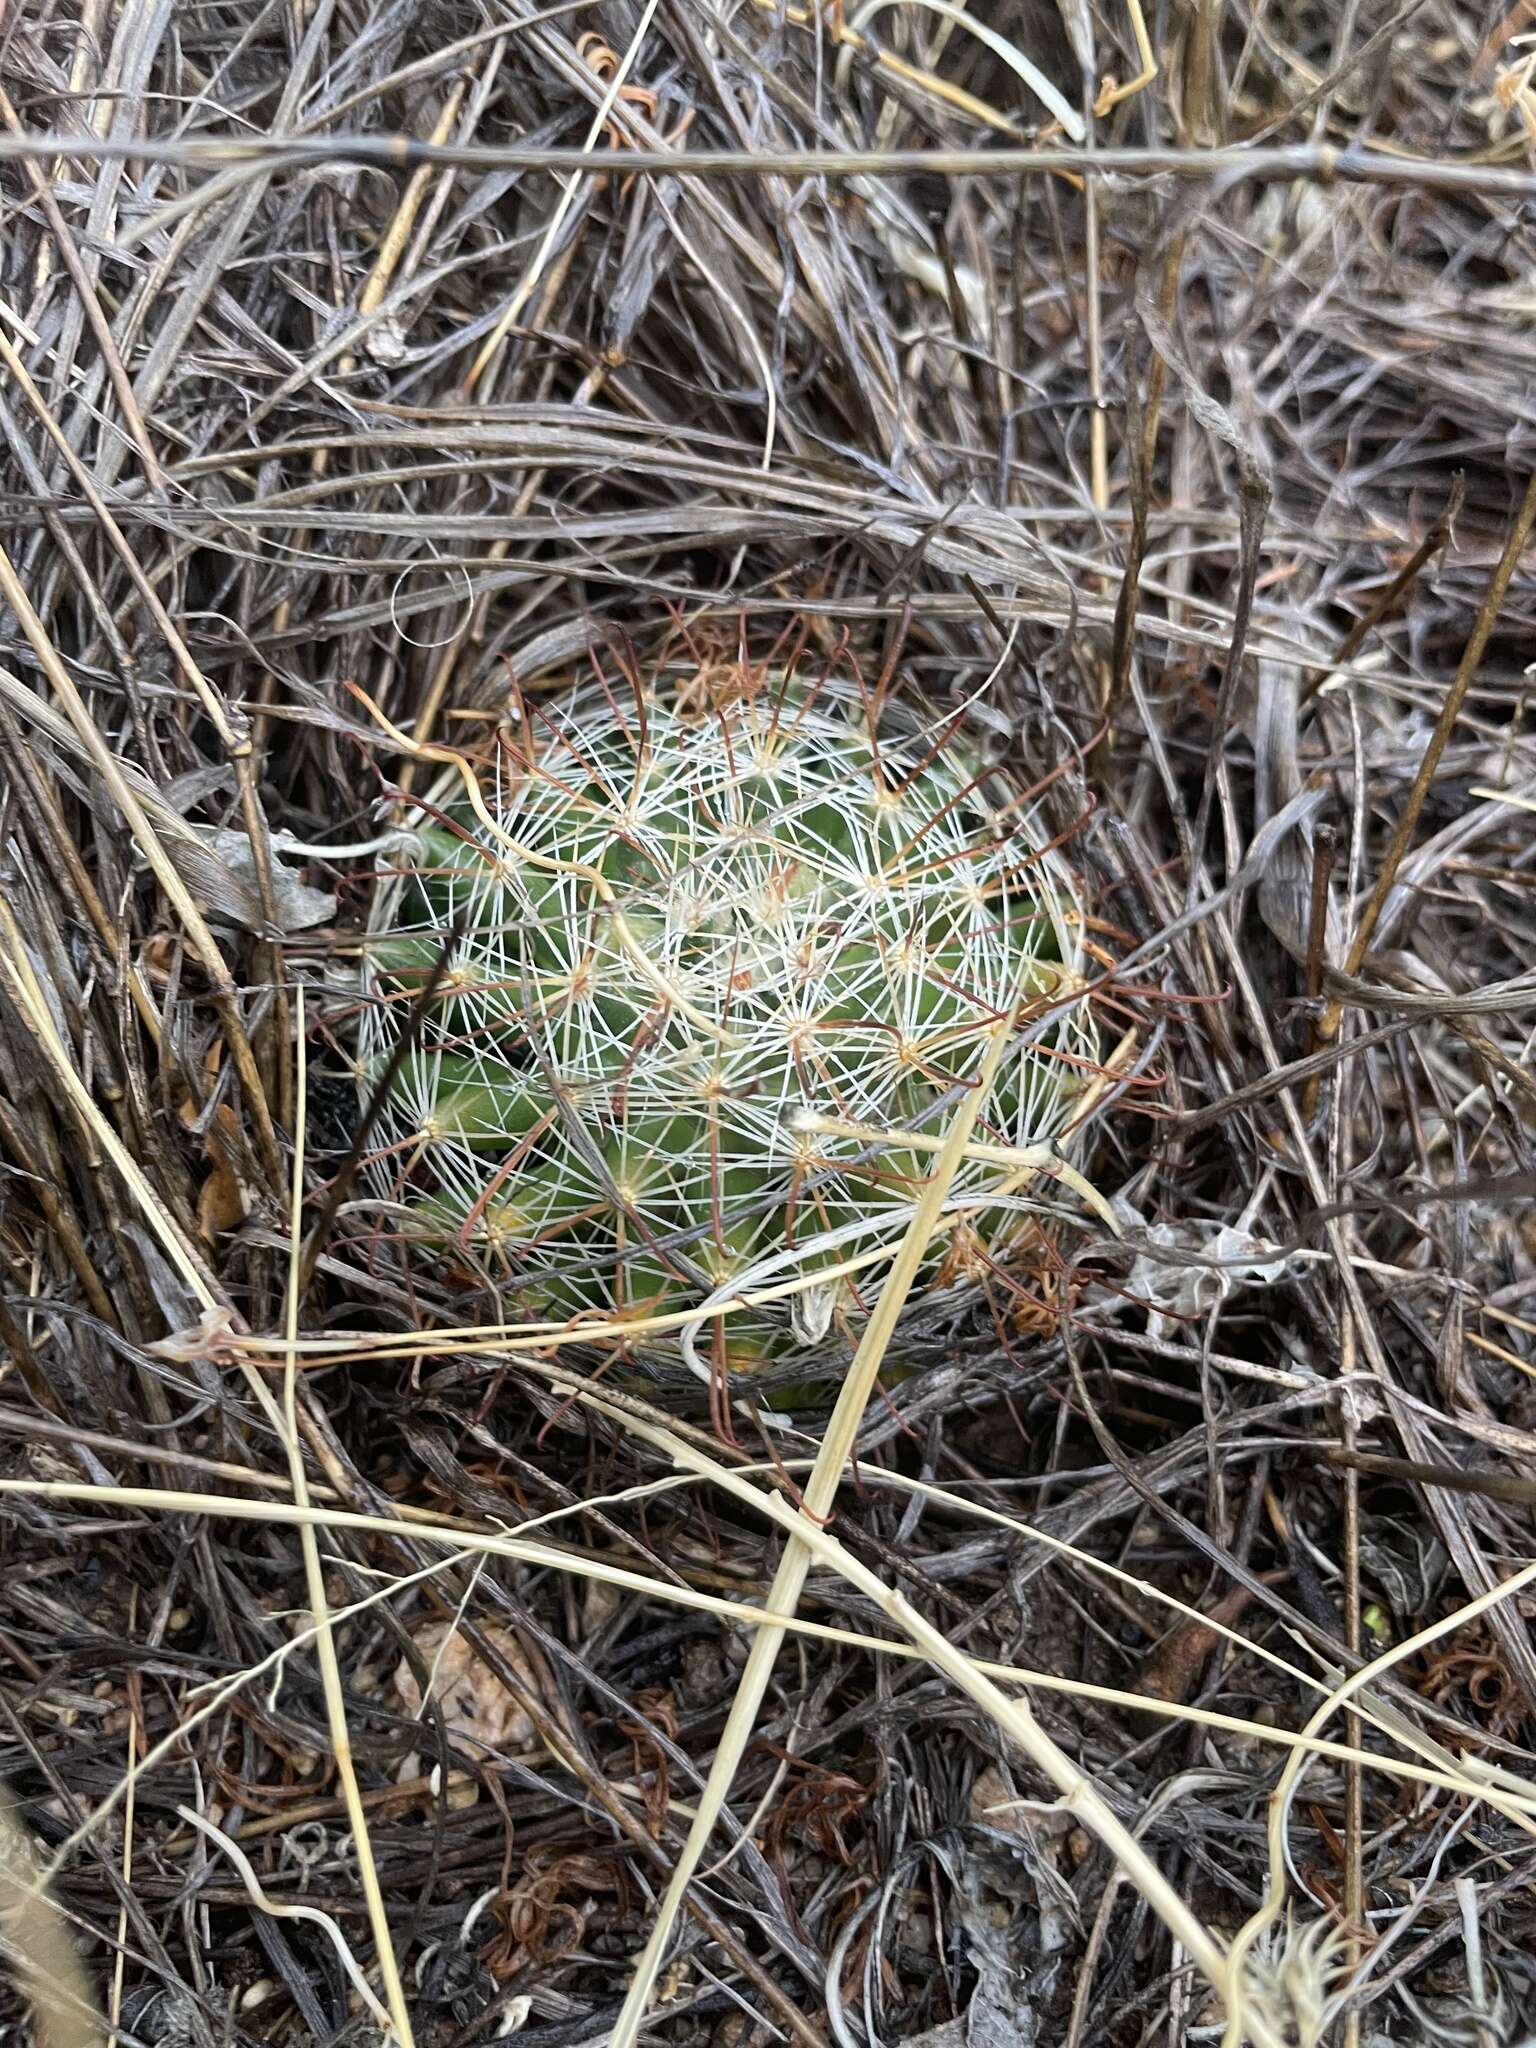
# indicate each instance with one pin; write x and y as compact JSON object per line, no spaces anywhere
{"x":507,"y":508}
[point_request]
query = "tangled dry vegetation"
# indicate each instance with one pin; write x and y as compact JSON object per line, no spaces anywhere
{"x":365,"y":1664}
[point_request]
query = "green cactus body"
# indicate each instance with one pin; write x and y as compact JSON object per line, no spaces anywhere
{"x":691,"y":935}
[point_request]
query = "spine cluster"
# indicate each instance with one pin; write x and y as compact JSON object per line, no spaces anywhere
{"x":722,"y":960}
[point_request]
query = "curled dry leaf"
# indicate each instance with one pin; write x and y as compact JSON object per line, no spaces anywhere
{"x":219,"y":867}
{"x":223,"y":1202}
{"x":213,"y":1337}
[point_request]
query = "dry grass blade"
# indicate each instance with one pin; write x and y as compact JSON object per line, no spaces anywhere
{"x":815,"y":1505}
{"x":1269,"y":1912}
{"x":259,"y":156}
{"x":314,"y":1573}
{"x":387,"y":390}
{"x":1505,"y":1792}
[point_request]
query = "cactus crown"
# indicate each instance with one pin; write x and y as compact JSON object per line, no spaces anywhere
{"x":720,"y":948}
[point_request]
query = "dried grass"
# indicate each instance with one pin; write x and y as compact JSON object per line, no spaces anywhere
{"x":362,"y":358}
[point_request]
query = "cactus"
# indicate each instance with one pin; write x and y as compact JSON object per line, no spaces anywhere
{"x":723,"y":954}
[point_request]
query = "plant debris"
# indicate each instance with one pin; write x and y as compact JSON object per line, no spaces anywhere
{"x":374,"y":373}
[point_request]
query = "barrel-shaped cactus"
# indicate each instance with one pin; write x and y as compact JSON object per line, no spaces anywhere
{"x":724,"y":959}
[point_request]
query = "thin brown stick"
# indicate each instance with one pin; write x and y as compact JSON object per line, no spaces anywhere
{"x":1436,"y":538}
{"x":238,"y":160}
{"x":1324,"y":847}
